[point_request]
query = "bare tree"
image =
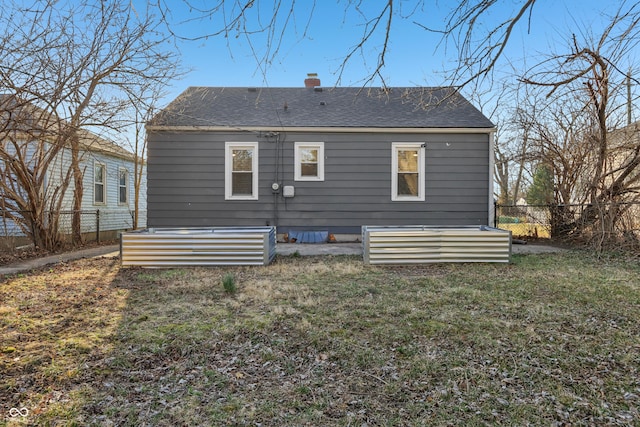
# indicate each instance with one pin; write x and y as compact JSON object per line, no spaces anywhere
{"x":80,"y":66}
{"x":141,"y":111}
{"x":502,"y":104}
{"x":584,"y":98}
{"x":27,"y":201}
{"x":512,"y":159}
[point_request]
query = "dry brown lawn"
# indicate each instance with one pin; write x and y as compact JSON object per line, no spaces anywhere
{"x":547,"y":340}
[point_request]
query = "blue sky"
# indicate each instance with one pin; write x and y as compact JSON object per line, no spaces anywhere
{"x":416,"y":57}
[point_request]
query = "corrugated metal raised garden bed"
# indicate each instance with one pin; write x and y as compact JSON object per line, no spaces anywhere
{"x":426,"y":244}
{"x":168,"y":247}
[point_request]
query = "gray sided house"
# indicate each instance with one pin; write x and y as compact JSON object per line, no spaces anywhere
{"x":319,"y":159}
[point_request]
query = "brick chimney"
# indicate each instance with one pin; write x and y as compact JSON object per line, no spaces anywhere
{"x":312,"y":80}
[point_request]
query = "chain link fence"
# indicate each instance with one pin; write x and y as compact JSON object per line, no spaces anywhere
{"x":95,"y":225}
{"x":524,"y":220}
{"x":550,"y":221}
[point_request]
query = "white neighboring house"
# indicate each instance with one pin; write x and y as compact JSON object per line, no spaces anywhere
{"x":108,"y":187}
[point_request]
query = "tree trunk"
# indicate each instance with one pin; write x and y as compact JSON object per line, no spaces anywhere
{"x":562,"y":223}
{"x":78,"y":190}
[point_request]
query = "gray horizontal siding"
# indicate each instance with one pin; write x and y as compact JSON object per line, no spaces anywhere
{"x":186,"y":182}
{"x":360,"y":204}
{"x":363,"y":195}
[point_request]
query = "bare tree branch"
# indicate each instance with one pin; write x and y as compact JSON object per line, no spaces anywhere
{"x":576,"y":131}
{"x":479,"y":48}
{"x":71,"y":71}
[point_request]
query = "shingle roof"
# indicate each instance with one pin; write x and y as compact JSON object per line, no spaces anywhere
{"x":237,"y":107}
{"x":24,"y":116}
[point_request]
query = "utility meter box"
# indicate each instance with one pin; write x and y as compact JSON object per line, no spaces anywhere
{"x":288,"y":191}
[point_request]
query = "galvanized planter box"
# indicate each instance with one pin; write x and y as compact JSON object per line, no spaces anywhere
{"x":427,"y":244}
{"x":170,"y":247}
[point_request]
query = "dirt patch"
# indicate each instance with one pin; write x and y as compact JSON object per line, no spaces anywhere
{"x":17,"y":255}
{"x":27,"y":253}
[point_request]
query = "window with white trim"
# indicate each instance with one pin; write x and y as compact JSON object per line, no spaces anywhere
{"x":309,"y":161}
{"x":241,"y":171}
{"x":123,"y":186}
{"x":407,"y":171}
{"x":99,"y":183}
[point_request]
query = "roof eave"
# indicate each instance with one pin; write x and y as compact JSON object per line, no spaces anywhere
{"x":325,"y":129}
{"x":130,"y":157}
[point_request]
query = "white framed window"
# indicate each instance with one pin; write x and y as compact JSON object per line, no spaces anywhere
{"x":309,"y":161}
{"x":123,"y":186}
{"x":241,"y":171}
{"x":407,"y":171}
{"x":99,"y":183}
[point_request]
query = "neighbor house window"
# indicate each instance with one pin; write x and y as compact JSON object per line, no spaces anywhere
{"x":241,"y":171}
{"x":309,"y":161}
{"x":123,"y":186}
{"x":407,"y":172}
{"x":99,"y":183}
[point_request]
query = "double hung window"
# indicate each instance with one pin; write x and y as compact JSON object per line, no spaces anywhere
{"x":99,"y":183}
{"x":309,"y":161}
{"x":123,"y":186}
{"x":241,"y":171}
{"x":407,"y":172}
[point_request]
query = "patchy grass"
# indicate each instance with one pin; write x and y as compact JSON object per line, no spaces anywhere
{"x":547,"y":340}
{"x":229,"y":283}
